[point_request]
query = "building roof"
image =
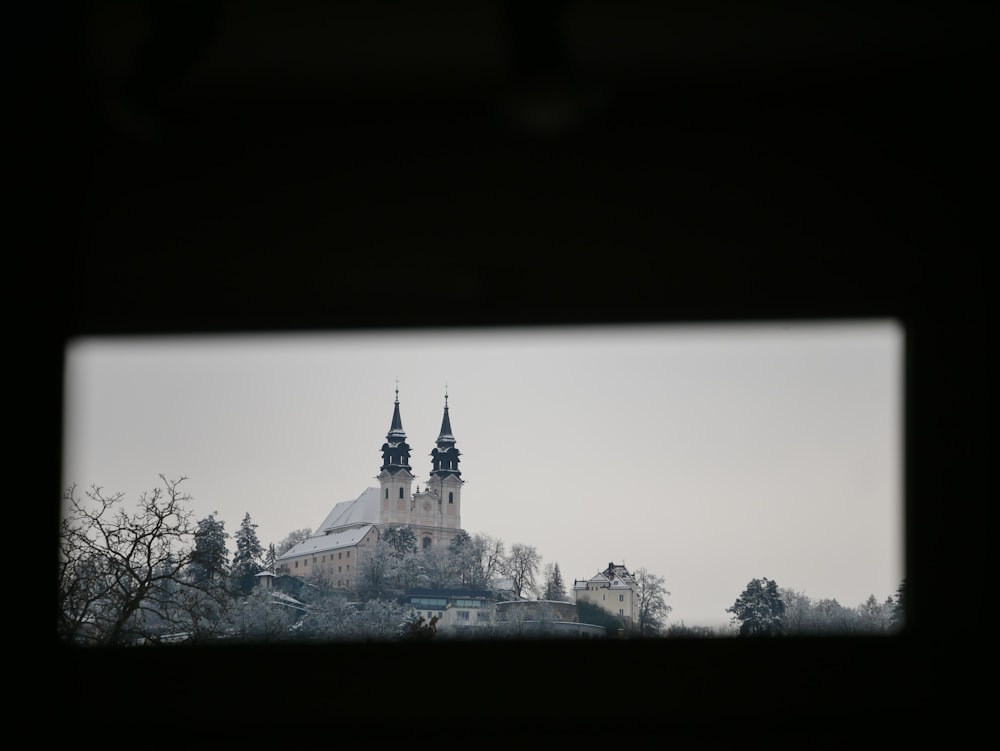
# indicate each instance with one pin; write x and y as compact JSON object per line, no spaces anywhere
{"x":615,"y":577}
{"x":362,"y":510}
{"x":457,"y":592}
{"x":339,"y":538}
{"x":396,"y":427}
{"x":445,"y":436}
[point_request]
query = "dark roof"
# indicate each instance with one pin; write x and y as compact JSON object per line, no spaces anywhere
{"x":448,"y":592}
{"x":396,"y":429}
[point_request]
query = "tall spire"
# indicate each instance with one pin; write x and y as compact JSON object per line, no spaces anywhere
{"x":396,"y":428}
{"x":395,"y":450}
{"x":445,"y":456}
{"x":445,"y":435}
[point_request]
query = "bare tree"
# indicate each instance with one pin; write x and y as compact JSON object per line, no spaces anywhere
{"x":521,"y":565}
{"x":487,"y":561}
{"x":123,"y":576}
{"x":291,"y":540}
{"x":376,"y":571}
{"x":652,"y":604}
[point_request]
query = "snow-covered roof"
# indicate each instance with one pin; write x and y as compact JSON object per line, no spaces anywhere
{"x":286,"y":599}
{"x":322,"y":543}
{"x":363,"y":509}
{"x":602,"y":580}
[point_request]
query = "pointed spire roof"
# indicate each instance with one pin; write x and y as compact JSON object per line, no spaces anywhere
{"x":445,"y":436}
{"x":396,"y":432}
{"x":395,"y":450}
{"x":445,"y":457}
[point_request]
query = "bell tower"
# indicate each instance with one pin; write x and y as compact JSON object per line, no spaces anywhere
{"x":446,"y":478}
{"x":396,"y":475}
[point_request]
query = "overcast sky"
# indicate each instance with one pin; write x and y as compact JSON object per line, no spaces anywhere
{"x":710,"y":455}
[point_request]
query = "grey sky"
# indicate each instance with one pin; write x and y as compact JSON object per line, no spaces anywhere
{"x":708,"y":454}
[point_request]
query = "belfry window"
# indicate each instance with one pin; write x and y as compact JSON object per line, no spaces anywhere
{"x":451,"y":497}
{"x":387,"y":492}
{"x":400,"y":492}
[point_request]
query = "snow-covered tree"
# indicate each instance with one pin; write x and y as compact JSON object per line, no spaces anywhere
{"x":487,"y":561}
{"x":210,"y":560}
{"x":800,"y":614}
{"x":262,"y":616}
{"x":290,"y":541}
{"x":651,"y":597}
{"x":331,"y":616}
{"x":554,"y":587}
{"x":478,"y":559}
{"x":875,"y":617}
{"x":376,"y":572}
{"x":462,"y":556}
{"x":439,"y":567}
{"x":682,"y":631}
{"x":759,"y":609}
{"x":122,"y":574}
{"x":804,"y":616}
{"x":401,"y":540}
{"x":248,"y":560}
{"x":899,"y":607}
{"x":836,"y":618}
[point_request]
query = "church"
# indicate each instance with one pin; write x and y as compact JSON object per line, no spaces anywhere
{"x":340,"y":544}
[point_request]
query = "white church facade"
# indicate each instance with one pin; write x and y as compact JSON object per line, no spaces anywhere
{"x":339,"y":545}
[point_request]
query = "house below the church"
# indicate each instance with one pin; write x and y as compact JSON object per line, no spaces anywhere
{"x":613,"y":589}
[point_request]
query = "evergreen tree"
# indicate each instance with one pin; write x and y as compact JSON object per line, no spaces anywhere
{"x":270,"y":557}
{"x":899,"y":607}
{"x":759,"y":610}
{"x":555,"y":588}
{"x":460,"y":542}
{"x":210,"y":559}
{"x":461,"y":551}
{"x":401,"y":540}
{"x":248,"y":560}
{"x":587,"y":612}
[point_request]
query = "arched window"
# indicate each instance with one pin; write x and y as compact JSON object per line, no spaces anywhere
{"x":427,"y":542}
{"x":451,"y":497}
{"x":387,"y":492}
{"x":400,"y":492}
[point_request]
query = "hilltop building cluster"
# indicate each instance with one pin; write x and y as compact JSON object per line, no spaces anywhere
{"x":341,"y":544}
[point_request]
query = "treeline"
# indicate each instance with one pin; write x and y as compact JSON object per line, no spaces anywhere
{"x":153,"y":574}
{"x":765,"y":609}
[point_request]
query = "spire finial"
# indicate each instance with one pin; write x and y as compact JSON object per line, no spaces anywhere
{"x":446,"y":395}
{"x":397,"y":389}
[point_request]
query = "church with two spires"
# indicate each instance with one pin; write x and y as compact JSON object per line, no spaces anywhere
{"x":337,"y":548}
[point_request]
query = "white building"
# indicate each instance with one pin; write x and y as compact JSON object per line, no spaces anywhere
{"x":613,"y":589}
{"x":350,"y":531}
